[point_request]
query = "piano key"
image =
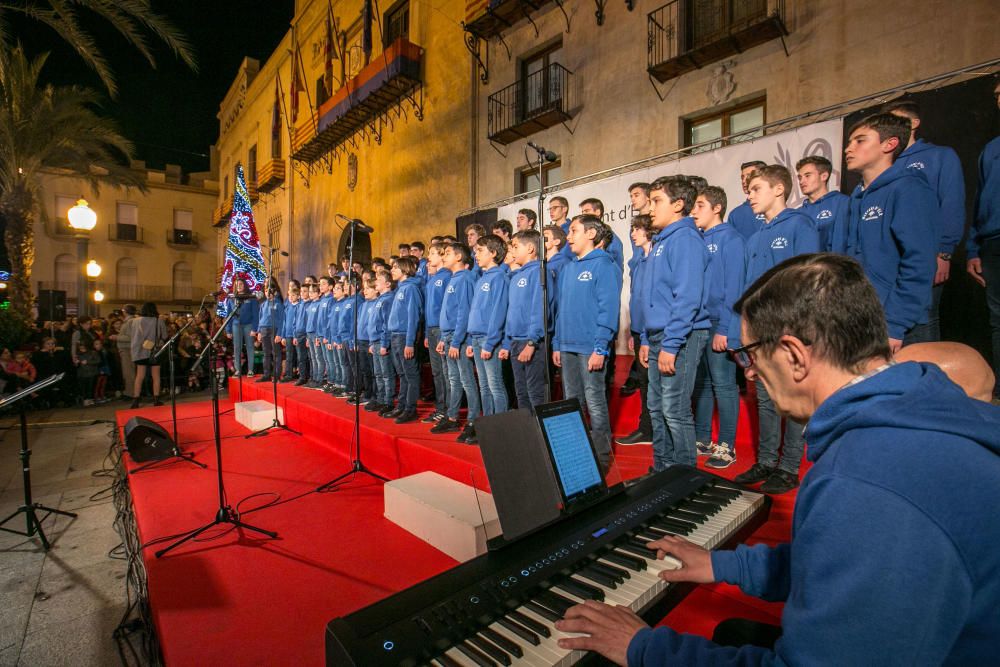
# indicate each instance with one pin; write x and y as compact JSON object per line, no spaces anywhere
{"x":456,"y":657}
{"x":598,"y":577}
{"x":444,"y":660}
{"x":529,"y":623}
{"x":519,"y":630}
{"x":581,"y":589}
{"x":618,"y":573}
{"x":474,"y":655}
{"x":551,"y":643}
{"x":509,"y":645}
{"x":490,"y":649}
{"x":555,"y":601}
{"x":633,"y":549}
{"x":533,"y":653}
{"x":542,"y":611}
{"x":625,"y":560}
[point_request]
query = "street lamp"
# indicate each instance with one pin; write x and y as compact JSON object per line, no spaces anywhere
{"x":82,"y":220}
{"x":93,"y":269}
{"x":98,"y":298}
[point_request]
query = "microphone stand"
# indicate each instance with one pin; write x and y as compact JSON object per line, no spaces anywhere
{"x":29,"y":507}
{"x":169,"y":348}
{"x":225,"y":513}
{"x":275,"y":372}
{"x":543,"y":278}
{"x":357,"y":465}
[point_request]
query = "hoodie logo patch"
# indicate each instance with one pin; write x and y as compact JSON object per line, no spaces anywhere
{"x":585,"y":276}
{"x":712,"y":248}
{"x":438,"y":282}
{"x":451,"y":289}
{"x":873,"y":213}
{"x":779,"y":243}
{"x":659,"y":251}
{"x":915,"y":165}
{"x":485,"y":287}
{"x":400,"y":297}
{"x":825,"y":214}
{"x":523,"y":282}
{"x":760,"y":216}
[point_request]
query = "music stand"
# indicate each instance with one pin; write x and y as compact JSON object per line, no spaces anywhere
{"x":225,"y":513}
{"x":30,"y":508}
{"x":357,"y":465}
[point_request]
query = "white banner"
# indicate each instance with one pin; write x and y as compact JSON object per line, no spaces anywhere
{"x":721,"y":167}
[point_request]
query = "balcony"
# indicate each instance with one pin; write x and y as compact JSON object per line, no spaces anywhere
{"x":529,"y":105}
{"x":124,"y":233}
{"x":182,"y":238}
{"x":383,"y":84}
{"x":271,"y":175}
{"x":685,"y":35}
{"x":222,"y":214}
{"x":59,"y":228}
{"x":489,"y":18}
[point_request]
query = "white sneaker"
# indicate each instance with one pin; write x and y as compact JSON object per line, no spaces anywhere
{"x":722,"y":457}
{"x":705,"y":448}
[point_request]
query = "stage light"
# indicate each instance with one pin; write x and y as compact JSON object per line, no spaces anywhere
{"x":82,"y":217}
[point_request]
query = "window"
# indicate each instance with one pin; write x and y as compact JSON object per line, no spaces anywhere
{"x":527,"y":179}
{"x":541,"y":82}
{"x":67,"y":271}
{"x":354,"y":56}
{"x":276,"y":139}
{"x":225,"y":187}
{"x":63,"y":205}
{"x":182,"y":282}
{"x":742,"y":122}
{"x":252,"y":168}
{"x":322,"y":94}
{"x":397,"y":23}
{"x":127,"y":219}
{"x":126,"y":279}
{"x":183,"y":224}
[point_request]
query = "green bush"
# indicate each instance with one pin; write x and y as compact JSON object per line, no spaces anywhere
{"x":14,"y":329}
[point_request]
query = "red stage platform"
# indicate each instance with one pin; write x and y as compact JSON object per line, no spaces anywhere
{"x":238,"y":600}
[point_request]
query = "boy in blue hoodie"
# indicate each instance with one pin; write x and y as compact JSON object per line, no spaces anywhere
{"x":943,"y":170}
{"x":335,"y":371}
{"x":716,"y":385}
{"x":642,"y":242}
{"x":891,"y":228}
{"x":310,"y":311}
{"x":893,"y":556}
{"x":454,"y":338}
{"x":404,"y":320}
{"x":742,"y":218}
{"x":524,"y":337}
{"x":385,"y":373}
{"x":437,"y":283}
{"x":345,"y":339}
{"x":269,"y":331}
{"x":301,"y":340}
{"x":487,"y":315}
{"x":243,"y":327}
{"x":785,"y":233}
{"x":323,"y":372}
{"x":289,"y":334}
{"x":589,"y":303}
{"x":675,"y":319}
{"x":828,"y":208}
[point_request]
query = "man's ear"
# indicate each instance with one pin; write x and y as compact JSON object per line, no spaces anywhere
{"x":796,"y":354}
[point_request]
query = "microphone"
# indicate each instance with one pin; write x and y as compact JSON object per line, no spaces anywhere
{"x":230,"y":295}
{"x":280,"y":252}
{"x":548,"y":155}
{"x":358,"y":224}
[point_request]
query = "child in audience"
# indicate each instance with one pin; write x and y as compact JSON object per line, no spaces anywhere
{"x":524,"y":336}
{"x":103,"y":370}
{"x":486,"y":322}
{"x":88,"y":366}
{"x":404,"y":320}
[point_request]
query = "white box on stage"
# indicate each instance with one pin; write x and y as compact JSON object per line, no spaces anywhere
{"x":256,"y":415}
{"x":442,"y":512}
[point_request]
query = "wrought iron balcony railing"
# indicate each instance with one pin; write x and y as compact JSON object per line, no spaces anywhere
{"x":271,"y":175}
{"x":538,"y":101}
{"x":114,"y":293}
{"x":125,"y":233}
{"x":184,"y":238}
{"x":684,"y":35}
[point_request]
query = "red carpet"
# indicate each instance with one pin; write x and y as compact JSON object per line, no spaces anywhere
{"x":241,"y":599}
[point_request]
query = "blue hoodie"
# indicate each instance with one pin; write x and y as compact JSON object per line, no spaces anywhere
{"x":455,"y":307}
{"x":615,"y":249}
{"x":364,"y":320}
{"x":829,"y":212}
{"x":674,"y":293}
{"x":301,"y":318}
{"x":589,"y":302}
{"x":292,"y":311}
{"x":437,"y":283}
{"x":249,"y":314}
{"x":311,"y":310}
{"x":744,"y":220}
{"x":986,"y":220}
{"x":325,"y":316}
{"x":489,"y":307}
{"x":891,"y":231}
{"x":345,"y":323}
{"x":942,"y":169}
{"x":789,"y":234}
{"x":726,"y":268}
{"x":378,"y":329}
{"x":524,"y":305}
{"x":404,"y":318}
{"x":893,"y":558}
{"x":272,"y":314}
{"x":637,"y":267}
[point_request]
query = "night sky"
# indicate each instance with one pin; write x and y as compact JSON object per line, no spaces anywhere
{"x":170,"y":112}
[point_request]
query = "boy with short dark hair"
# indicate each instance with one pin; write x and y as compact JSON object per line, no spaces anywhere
{"x":742,"y":218}
{"x":823,"y":205}
{"x":345,"y":339}
{"x":312,"y":346}
{"x":526,"y":219}
{"x":524,"y":337}
{"x":335,"y":363}
{"x":365,"y":375}
{"x":501,"y":228}
{"x":434,"y":290}
{"x":289,"y":335}
{"x":675,"y":319}
{"x":487,"y":315}
{"x":325,"y":372}
{"x":378,"y":332}
{"x":417,"y":250}
{"x":642,"y":241}
{"x":404,"y":320}
{"x":613,"y":245}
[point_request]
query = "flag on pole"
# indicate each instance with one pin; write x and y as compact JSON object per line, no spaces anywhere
{"x":276,"y":111}
{"x":366,"y":30}
{"x":297,"y":86}
{"x":328,"y":54}
{"x":243,"y":257}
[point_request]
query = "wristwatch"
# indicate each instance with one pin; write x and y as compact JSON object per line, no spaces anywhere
{"x":946,"y":256}
{"x":529,"y":343}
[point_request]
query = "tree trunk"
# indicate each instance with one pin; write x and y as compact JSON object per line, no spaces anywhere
{"x":17,"y":208}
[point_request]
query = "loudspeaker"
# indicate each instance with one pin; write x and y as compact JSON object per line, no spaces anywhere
{"x":52,"y":305}
{"x":148,"y":441}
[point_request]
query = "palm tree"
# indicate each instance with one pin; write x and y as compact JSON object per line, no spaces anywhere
{"x":45,"y":127}
{"x":132,"y":19}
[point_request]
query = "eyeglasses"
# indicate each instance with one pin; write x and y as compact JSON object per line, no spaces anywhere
{"x":743,"y":356}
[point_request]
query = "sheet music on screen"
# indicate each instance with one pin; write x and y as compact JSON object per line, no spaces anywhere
{"x":574,"y":459}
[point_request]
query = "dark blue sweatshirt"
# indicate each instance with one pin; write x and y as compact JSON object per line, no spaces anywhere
{"x":744,"y":220}
{"x":434,"y":295}
{"x":301,"y":318}
{"x":891,"y":231}
{"x":674,"y":293}
{"x":345,"y":322}
{"x":311,"y":310}
{"x":589,"y":302}
{"x":364,"y":320}
{"x":407,"y":308}
{"x":986,"y":221}
{"x":455,"y":307}
{"x":724,"y":277}
{"x":333,"y":319}
{"x":272,"y":314}
{"x":324,"y":316}
{"x":941,"y":167}
{"x":637,"y":267}
{"x":524,"y":305}
{"x":489,"y":307}
{"x":615,"y":249}
{"x":829,"y":212}
{"x":292,"y":311}
{"x":249,"y":313}
{"x":893,"y":558}
{"x":378,"y":329}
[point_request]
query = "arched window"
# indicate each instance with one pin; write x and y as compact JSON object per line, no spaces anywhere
{"x":126,"y":279}
{"x":182,"y":282}
{"x":67,"y":272}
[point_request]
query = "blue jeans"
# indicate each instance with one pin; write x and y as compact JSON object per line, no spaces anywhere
{"x":385,"y":376}
{"x":929,"y":331}
{"x":529,"y":378}
{"x":770,"y":436}
{"x":334,"y":369}
{"x":438,"y":370}
{"x":291,"y":357}
{"x":490,"y":372}
{"x":408,"y":371}
{"x":716,"y":386}
{"x":989,"y":256}
{"x":343,"y":356}
{"x":304,"y":356}
{"x":461,"y":377}
{"x":318,"y":350}
{"x":241,"y":339}
{"x":670,"y":401}
{"x":588,"y":387}
{"x":272,"y":351}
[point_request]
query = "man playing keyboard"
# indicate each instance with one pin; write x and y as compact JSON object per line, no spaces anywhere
{"x":894,"y":557}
